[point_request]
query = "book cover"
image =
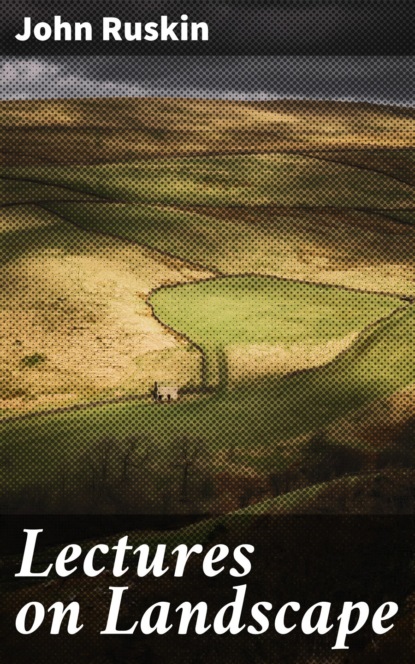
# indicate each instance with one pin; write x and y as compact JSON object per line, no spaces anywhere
{"x":207,"y":349}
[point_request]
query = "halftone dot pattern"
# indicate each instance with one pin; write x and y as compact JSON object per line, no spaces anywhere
{"x":380,"y":79}
{"x":252,"y":255}
{"x":257,"y":255}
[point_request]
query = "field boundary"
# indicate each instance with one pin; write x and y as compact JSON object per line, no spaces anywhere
{"x":293,"y":280}
{"x":363,"y":336}
{"x":222,"y":361}
{"x":218,"y":274}
{"x":365,"y":332}
{"x":98,"y":198}
{"x":194,"y":154}
{"x":181,"y":335}
{"x":215,"y":274}
{"x":73,"y":408}
{"x":144,"y":245}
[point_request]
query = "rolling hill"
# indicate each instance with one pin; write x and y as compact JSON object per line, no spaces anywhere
{"x":284,"y":233}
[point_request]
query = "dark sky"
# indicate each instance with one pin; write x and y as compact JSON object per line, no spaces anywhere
{"x":386,"y":79}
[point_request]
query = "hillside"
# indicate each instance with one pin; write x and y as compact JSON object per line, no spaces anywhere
{"x":257,"y":255}
{"x":116,"y":129}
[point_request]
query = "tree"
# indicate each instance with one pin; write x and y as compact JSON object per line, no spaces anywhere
{"x":323,"y":460}
{"x":189,"y":452}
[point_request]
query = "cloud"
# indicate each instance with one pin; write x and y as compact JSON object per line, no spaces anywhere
{"x":378,"y":79}
{"x":21,"y":72}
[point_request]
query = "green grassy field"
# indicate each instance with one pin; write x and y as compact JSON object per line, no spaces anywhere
{"x":262,"y":414}
{"x":277,"y":179}
{"x":260,"y":325}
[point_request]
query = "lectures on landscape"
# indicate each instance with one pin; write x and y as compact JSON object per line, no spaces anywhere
{"x":158,"y":560}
